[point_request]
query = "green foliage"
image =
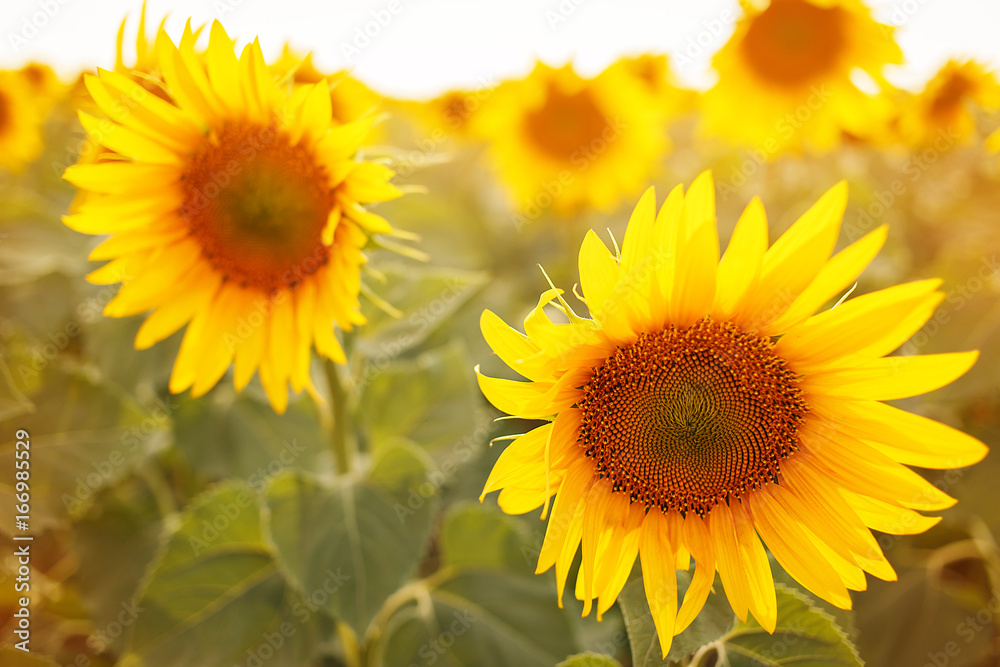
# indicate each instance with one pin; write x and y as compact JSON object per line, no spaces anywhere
{"x":713,"y":622}
{"x":216,"y":594}
{"x":589,"y":660}
{"x":441,"y":420}
{"x":426,"y":297}
{"x":350,"y":543}
{"x":84,"y":437}
{"x":238,"y":436}
{"x":805,"y":634}
{"x":116,"y":539}
{"x":478,"y":609}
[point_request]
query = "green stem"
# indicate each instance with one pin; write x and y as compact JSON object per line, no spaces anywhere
{"x":352,"y":654}
{"x":343,"y":447}
{"x":417,"y":591}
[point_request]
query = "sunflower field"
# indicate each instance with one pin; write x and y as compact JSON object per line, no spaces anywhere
{"x":587,"y":369}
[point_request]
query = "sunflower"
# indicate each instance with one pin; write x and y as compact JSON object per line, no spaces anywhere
{"x":44,"y":84}
{"x":453,"y":114}
{"x":706,"y":407}
{"x":235,"y":209}
{"x":657,"y":79}
{"x":562,"y":142}
{"x":785,"y":76}
{"x":945,"y":107}
{"x":20,"y":122}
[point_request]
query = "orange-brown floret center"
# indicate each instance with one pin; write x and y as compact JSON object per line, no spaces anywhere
{"x":565,"y":123}
{"x":950,"y":96}
{"x":793,"y":41}
{"x":688,"y":418}
{"x":258,"y":204}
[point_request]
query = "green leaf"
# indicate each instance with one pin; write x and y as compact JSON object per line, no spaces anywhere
{"x":108,"y":345}
{"x":216,"y":595}
{"x":483,"y":608}
{"x":431,"y":400}
{"x":476,"y":535}
{"x":804,"y":635}
{"x":918,"y":619}
{"x":589,"y":660}
{"x":350,"y":543}
{"x":428,"y":297}
{"x":236,"y":435}
{"x":115,"y":541}
{"x":712,"y":622}
{"x":13,"y":401}
{"x":83,"y":438}
{"x":843,"y":617}
{"x":481,"y":618}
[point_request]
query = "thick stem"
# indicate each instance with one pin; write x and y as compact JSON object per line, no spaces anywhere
{"x":341,"y":442}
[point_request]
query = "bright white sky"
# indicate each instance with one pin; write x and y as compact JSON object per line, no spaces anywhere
{"x":423,"y":47}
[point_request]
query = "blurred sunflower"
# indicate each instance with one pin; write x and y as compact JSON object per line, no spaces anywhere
{"x":454,"y":114}
{"x":945,"y":106}
{"x":785,"y":76}
{"x":657,"y":79}
{"x":562,"y":142}
{"x":234,"y":210}
{"x":45,"y":86}
{"x":705,"y":406}
{"x":20,"y":122}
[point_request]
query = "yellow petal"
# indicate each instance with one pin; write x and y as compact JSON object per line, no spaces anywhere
{"x":128,"y":143}
{"x":860,"y":468}
{"x":598,"y":274}
{"x":830,"y":338}
{"x":795,"y":552}
{"x":513,"y":467}
{"x":369,"y":182}
{"x":699,"y":542}
{"x":889,"y":517}
{"x":534,"y":400}
{"x":598,"y":503}
{"x":812,"y":497}
{"x":638,"y":233}
{"x":314,"y":116}
{"x":739,"y":268}
{"x":728,"y":559}
{"x":174,"y":314}
{"x":121,"y":177}
{"x":835,"y":276}
{"x":904,"y":436}
{"x":253,"y":342}
{"x":697,"y":256}
{"x":795,"y":258}
{"x":570,"y":495}
{"x":218,"y":340}
{"x":763,"y":602}
{"x":223,"y":69}
{"x":659,"y":580}
{"x":892,"y":378}
{"x":625,"y":544}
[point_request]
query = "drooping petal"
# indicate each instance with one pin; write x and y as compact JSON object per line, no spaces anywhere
{"x":659,"y":581}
